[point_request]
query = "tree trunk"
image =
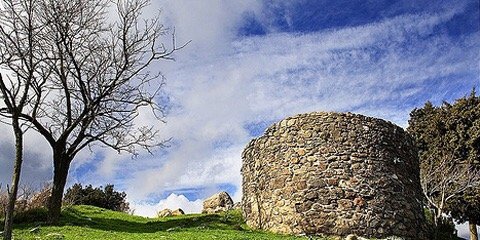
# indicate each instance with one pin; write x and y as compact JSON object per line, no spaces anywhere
{"x":60,"y":172}
{"x":12,"y":194}
{"x":473,"y":230}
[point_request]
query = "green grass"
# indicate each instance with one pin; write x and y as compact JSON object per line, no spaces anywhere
{"x":87,"y":222}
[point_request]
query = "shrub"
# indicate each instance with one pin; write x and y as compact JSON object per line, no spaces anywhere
{"x":27,"y":216}
{"x":31,"y":215}
{"x":444,"y":230}
{"x":101,"y":197}
{"x":3,"y":206}
{"x":27,"y":199}
{"x":40,"y":198}
{"x":3,"y":202}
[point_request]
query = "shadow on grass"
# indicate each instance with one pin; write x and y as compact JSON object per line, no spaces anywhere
{"x":37,"y":215}
{"x":74,"y":217}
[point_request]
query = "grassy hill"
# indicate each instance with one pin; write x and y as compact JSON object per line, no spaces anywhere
{"x":87,"y":222}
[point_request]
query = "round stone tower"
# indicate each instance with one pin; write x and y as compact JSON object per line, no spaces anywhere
{"x":334,"y":174}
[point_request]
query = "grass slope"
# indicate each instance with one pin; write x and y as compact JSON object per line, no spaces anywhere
{"x":87,"y":222}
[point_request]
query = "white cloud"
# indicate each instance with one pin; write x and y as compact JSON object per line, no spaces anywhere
{"x":210,"y":24}
{"x":173,"y":201}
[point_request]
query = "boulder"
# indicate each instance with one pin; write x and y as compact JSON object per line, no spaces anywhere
{"x":355,"y":237}
{"x":178,"y":212}
{"x":351,"y":237}
{"x":219,"y":202}
{"x":164,"y":213}
{"x":168,"y":213}
{"x":237,"y":206}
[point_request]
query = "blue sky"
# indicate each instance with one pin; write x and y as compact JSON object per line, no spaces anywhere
{"x":310,"y":15}
{"x":252,"y":63}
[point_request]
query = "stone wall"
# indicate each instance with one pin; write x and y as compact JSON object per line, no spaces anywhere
{"x":335,"y":174}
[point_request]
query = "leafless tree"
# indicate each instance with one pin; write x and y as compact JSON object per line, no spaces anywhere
{"x":444,"y":180}
{"x":40,"y":198}
{"x":26,"y":192}
{"x":94,"y":78}
{"x":19,"y":35}
{"x":28,"y":198}
{"x":24,"y":195}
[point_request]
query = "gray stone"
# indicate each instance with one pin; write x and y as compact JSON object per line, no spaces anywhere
{"x":35,"y":230}
{"x":219,"y":202}
{"x":164,"y":213}
{"x":178,"y":212}
{"x":237,"y":205}
{"x":168,"y":212}
{"x":351,"y":237}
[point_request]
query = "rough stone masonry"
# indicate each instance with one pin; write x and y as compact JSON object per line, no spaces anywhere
{"x":334,"y":174}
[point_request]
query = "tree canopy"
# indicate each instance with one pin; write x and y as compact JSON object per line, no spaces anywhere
{"x":448,"y":138}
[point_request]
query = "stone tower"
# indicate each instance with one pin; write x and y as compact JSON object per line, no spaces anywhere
{"x":335,"y":174}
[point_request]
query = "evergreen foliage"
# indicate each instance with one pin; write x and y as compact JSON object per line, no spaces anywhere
{"x":448,"y":138}
{"x":106,"y":197}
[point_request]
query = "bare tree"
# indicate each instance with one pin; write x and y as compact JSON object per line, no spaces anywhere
{"x":13,"y":109}
{"x":24,"y":195}
{"x":95,"y":79}
{"x":443,"y":180}
{"x":19,"y":33}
